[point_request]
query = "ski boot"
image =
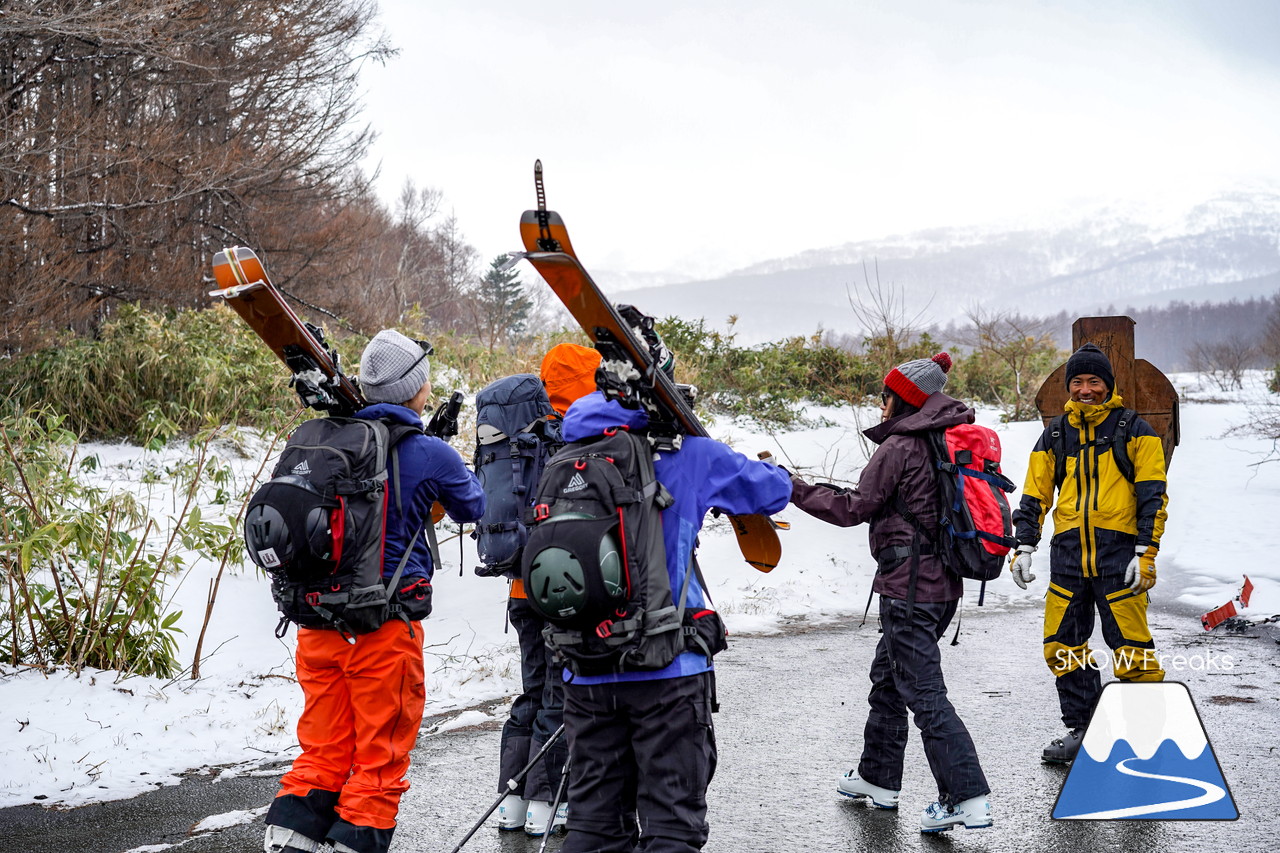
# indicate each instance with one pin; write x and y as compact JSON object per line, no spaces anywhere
{"x":538,"y":817}
{"x":1063,"y":750}
{"x":511,"y":812}
{"x":973,"y":813}
{"x":853,"y":785}
{"x":280,"y":839}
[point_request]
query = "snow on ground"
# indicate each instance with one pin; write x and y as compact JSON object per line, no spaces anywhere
{"x":75,"y":740}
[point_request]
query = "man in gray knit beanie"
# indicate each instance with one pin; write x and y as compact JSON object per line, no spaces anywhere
{"x":393,"y":368}
{"x":363,"y":701}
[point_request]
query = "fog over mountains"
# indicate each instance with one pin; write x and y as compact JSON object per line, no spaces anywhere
{"x":1104,"y":258}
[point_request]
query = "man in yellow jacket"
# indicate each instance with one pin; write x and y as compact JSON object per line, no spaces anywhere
{"x":1107,"y":465}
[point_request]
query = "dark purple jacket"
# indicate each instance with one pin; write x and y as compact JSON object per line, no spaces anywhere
{"x":900,"y":466}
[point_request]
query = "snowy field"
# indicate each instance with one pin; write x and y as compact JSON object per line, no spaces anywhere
{"x":76,"y":740}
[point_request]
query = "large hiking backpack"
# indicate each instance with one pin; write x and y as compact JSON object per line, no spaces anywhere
{"x":318,"y":526}
{"x":1118,"y":441}
{"x":595,"y":567}
{"x":975,"y":524}
{"x":515,"y":438}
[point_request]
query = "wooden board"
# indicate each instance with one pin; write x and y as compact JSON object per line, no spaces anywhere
{"x":1140,"y":383}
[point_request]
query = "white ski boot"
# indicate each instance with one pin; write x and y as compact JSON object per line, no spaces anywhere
{"x":853,"y":785}
{"x":511,"y":812}
{"x":539,"y":815}
{"x":278,"y":839}
{"x":973,"y":813}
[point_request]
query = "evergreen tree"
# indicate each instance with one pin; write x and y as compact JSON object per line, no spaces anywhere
{"x":500,"y":305}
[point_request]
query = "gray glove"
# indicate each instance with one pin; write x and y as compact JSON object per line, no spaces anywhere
{"x":1020,"y":565}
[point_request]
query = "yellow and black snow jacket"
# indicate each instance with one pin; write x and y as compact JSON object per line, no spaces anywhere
{"x":1100,"y":515}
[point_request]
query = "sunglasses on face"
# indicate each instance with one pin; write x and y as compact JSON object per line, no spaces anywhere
{"x":885,"y":396}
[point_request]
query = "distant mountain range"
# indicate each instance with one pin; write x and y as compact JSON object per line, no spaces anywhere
{"x":1103,"y":258}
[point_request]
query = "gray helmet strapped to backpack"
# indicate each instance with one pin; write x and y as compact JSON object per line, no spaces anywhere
{"x":558,"y":583}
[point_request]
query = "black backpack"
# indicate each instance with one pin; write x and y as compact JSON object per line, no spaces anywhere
{"x":515,"y":438}
{"x":318,"y":526}
{"x":595,"y":567}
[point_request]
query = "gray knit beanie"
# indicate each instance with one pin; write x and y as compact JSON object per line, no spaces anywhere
{"x":918,"y":380}
{"x":392,"y":368}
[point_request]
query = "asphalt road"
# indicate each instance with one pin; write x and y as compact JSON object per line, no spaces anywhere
{"x":792,"y":709}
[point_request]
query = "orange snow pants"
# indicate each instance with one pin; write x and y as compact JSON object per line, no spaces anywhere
{"x":363,"y":709}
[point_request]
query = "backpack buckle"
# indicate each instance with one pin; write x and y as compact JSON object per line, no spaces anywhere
{"x":541,"y":512}
{"x":605,"y":629}
{"x":313,"y":598}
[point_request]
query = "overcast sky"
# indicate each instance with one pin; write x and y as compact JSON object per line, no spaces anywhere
{"x":709,"y":135}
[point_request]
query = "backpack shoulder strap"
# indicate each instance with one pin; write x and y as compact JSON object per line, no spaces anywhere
{"x":939,"y":459}
{"x":398,"y":432}
{"x":1120,"y":444}
{"x":1058,"y":444}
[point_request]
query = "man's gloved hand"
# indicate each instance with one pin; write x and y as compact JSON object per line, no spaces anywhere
{"x":1020,"y":565}
{"x":1141,"y":574}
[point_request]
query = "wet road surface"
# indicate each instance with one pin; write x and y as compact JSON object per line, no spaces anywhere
{"x":792,"y":709}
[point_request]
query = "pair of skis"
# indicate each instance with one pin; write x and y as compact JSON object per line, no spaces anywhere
{"x":547,"y":247}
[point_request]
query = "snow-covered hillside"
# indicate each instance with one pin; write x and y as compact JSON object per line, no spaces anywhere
{"x":1089,"y":259}
{"x":74,"y":740}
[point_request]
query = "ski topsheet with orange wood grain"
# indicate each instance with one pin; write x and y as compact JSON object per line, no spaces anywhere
{"x":546,"y":241}
{"x":243,"y":284}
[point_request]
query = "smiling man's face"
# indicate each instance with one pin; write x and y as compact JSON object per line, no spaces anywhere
{"x":1088,"y":389}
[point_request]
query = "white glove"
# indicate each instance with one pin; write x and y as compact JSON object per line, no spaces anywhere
{"x":1140,"y":575}
{"x":1020,"y":565}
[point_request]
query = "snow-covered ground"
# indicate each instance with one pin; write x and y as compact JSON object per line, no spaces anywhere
{"x":79,"y":739}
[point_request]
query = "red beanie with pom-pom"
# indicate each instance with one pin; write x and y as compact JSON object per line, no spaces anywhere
{"x":916,"y":381}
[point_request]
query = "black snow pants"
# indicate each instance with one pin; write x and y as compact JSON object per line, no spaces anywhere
{"x":643,"y":753}
{"x":906,"y":673}
{"x":535,"y":714}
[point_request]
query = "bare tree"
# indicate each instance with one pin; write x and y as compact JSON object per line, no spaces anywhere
{"x":139,"y":136}
{"x":1022,"y":346}
{"x":1223,"y":363}
{"x":891,"y":327}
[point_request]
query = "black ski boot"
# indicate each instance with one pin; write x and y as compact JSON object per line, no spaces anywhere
{"x":1063,"y":750}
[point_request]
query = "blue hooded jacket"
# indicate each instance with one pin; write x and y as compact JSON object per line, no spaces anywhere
{"x":430,"y":470}
{"x":702,"y":474}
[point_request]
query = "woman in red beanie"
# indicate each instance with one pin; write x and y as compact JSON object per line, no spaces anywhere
{"x":918,"y":599}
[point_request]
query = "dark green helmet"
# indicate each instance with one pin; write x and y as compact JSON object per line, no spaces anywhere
{"x":558,"y":586}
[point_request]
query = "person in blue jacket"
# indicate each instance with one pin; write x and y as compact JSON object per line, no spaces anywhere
{"x":642,"y":744}
{"x":364,"y":700}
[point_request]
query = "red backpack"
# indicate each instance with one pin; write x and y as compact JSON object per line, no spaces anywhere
{"x":975,"y":523}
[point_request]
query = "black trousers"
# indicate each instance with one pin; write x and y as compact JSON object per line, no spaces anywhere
{"x":643,"y":753}
{"x":906,"y":673}
{"x":536,"y":713}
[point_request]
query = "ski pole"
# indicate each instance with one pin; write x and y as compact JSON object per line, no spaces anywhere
{"x":511,"y":786}
{"x":555,"y":805}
